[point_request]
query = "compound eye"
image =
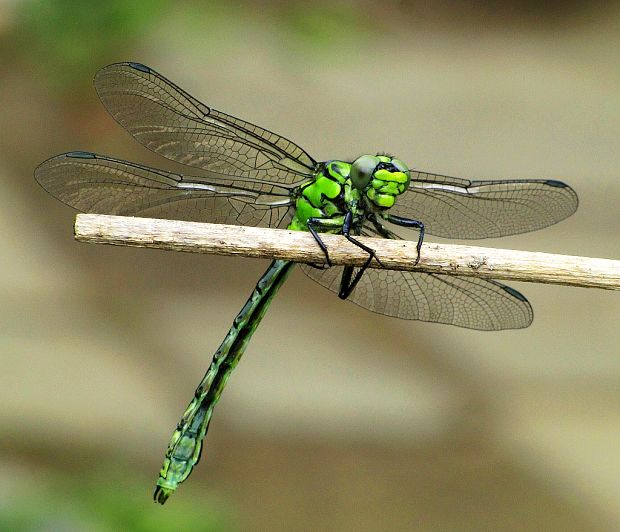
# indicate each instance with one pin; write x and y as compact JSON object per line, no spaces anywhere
{"x":400,"y":166}
{"x":362,"y":171}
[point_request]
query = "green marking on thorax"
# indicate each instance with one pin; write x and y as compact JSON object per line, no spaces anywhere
{"x":339,"y":170}
{"x":322,"y":187}
{"x":317,"y":197}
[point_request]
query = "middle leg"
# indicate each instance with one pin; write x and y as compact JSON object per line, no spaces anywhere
{"x":347,"y":285}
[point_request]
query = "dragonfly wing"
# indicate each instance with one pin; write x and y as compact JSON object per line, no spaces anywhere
{"x":169,"y":121}
{"x":95,"y":183}
{"x":457,"y":208}
{"x":462,"y":301}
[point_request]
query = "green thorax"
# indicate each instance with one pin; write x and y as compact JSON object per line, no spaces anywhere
{"x":326,"y":196}
{"x":368,"y":185}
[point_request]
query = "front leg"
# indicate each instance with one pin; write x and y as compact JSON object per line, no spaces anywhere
{"x":406,"y":222}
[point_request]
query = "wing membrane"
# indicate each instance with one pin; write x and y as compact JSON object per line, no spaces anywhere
{"x":169,"y":121}
{"x":457,"y":208}
{"x":462,"y":301}
{"x":95,"y":183}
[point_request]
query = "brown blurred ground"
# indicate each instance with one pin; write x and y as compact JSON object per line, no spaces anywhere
{"x":336,"y":419}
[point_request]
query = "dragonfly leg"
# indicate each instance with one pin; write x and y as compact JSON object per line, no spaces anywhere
{"x":318,"y":266}
{"x":406,"y":222}
{"x":368,"y":250}
{"x":323,"y":223}
{"x":383,"y":231}
{"x":346,"y":232}
{"x":346,"y":284}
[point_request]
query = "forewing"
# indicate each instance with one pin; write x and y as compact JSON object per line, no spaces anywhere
{"x":99,"y":184}
{"x":462,"y":301}
{"x":457,"y":208}
{"x":167,"y":120}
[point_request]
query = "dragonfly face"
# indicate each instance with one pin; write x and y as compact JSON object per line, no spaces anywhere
{"x":380,"y":177}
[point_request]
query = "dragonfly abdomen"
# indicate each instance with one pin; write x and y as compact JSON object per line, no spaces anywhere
{"x":186,"y":444}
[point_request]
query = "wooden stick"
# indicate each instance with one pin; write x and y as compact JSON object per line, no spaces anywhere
{"x":299,"y":246}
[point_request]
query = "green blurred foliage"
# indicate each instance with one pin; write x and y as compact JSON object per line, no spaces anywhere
{"x":326,"y":26}
{"x":65,"y":38}
{"x":65,"y":41}
{"x":96,"y":504}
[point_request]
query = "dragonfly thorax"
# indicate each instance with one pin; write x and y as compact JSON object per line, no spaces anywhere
{"x":368,"y":184}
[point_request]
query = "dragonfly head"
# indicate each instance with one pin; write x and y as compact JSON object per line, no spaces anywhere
{"x":380,"y":177}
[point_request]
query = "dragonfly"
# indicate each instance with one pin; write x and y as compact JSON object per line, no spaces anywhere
{"x":245,"y":174}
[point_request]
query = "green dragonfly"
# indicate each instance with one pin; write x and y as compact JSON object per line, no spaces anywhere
{"x":251,"y":176}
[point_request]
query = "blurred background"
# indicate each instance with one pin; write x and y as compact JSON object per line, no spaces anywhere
{"x":377,"y":424}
